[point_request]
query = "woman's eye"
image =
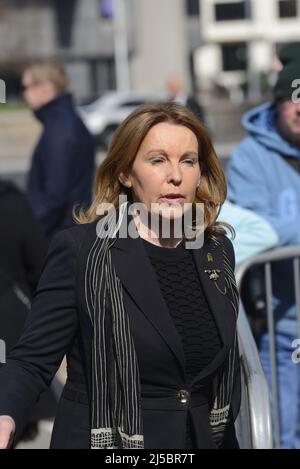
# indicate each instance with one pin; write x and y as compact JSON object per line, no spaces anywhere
{"x":190,"y":162}
{"x":157,"y":160}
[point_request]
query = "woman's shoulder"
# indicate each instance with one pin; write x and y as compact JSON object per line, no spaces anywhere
{"x":65,"y":250}
{"x":76,"y":235}
{"x":220,"y":241}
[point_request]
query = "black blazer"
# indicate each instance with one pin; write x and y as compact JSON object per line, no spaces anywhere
{"x":59,"y":325}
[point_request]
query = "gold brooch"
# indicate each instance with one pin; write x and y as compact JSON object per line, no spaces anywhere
{"x":213,"y":274}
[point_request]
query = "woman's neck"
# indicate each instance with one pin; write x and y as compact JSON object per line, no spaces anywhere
{"x":155,"y":236}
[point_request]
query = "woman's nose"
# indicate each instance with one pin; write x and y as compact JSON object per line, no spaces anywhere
{"x":175,"y":175}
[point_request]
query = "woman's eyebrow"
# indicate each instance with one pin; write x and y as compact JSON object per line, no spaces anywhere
{"x":163,"y":152}
{"x":159,"y":150}
{"x":190,"y":153}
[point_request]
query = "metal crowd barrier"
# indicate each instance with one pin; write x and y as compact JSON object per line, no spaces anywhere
{"x":254,"y":425}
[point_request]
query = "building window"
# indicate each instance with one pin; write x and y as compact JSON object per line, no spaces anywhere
{"x":65,"y":14}
{"x":287,"y":8}
{"x":193,"y":7}
{"x":232,"y":11}
{"x":234,"y":57}
{"x":102,"y":73}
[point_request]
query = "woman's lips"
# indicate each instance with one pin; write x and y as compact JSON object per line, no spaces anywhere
{"x":172,"y":199}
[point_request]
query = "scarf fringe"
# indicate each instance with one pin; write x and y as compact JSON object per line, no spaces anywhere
{"x":106,"y":438}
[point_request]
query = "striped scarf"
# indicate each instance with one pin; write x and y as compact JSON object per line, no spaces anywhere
{"x":224,"y":381}
{"x":116,"y":412}
{"x":116,"y":399}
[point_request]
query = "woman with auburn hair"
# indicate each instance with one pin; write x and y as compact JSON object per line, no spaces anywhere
{"x":143,"y":303}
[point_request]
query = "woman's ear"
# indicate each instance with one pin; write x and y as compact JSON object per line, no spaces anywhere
{"x":124,"y":180}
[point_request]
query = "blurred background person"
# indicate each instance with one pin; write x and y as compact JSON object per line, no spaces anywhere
{"x":264,"y":176}
{"x":253,"y":234}
{"x":62,"y":168}
{"x":289,"y":53}
{"x":177,"y":95}
{"x":23,"y":249}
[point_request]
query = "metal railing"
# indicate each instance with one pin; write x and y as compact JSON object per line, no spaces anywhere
{"x":253,"y":425}
{"x":256,"y":404}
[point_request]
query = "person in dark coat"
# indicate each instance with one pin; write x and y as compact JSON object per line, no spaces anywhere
{"x":23,"y":250}
{"x":62,"y":170}
{"x":177,"y":95}
{"x":147,"y":318}
{"x":23,"y":246}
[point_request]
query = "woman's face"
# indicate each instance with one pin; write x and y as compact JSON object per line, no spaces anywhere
{"x":166,"y":169}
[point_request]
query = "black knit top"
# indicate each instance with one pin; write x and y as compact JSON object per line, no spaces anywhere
{"x":182,"y":291}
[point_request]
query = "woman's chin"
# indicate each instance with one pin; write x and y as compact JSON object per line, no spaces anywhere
{"x":170,"y":212}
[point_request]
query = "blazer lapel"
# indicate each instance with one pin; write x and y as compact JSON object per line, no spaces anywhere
{"x":210,"y":266}
{"x":138,"y":278}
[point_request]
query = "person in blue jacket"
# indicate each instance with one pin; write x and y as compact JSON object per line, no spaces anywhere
{"x":253,"y":234}
{"x":264,"y":176}
{"x":62,"y":169}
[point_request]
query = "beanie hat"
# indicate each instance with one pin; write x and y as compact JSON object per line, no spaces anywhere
{"x":289,"y":52}
{"x":283,"y":88}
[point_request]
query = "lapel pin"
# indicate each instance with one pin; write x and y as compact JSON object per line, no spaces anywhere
{"x":213,"y":274}
{"x":210,"y":257}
